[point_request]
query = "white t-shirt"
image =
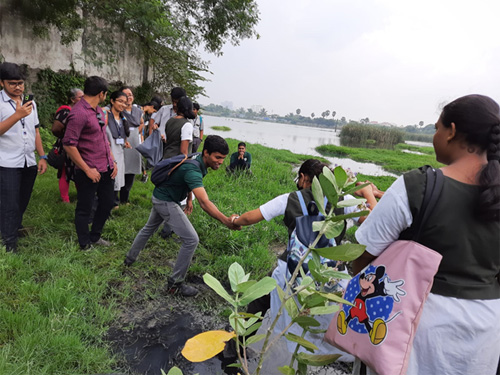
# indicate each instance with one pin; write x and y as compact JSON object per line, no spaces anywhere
{"x":187,"y":132}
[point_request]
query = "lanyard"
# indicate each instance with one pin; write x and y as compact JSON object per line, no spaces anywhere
{"x":11,"y":102}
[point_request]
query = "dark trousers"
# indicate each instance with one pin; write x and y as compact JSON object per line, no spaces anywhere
{"x":86,"y":193}
{"x":16,"y":185}
{"x":125,"y":190}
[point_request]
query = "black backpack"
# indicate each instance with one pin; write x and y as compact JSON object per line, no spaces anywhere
{"x":162,"y":171}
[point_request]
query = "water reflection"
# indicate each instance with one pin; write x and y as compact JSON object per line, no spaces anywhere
{"x":296,"y":138}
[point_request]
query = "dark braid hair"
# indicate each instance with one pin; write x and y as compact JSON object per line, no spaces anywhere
{"x":477,"y":120}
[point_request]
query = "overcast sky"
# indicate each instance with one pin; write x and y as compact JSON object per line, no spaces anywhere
{"x":393,"y":61}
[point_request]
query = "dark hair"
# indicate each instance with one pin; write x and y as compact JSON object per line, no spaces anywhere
{"x":115,"y":95}
{"x":72,"y":93}
{"x":196,"y":106}
{"x":94,"y":85}
{"x":157,"y":98}
{"x":154,"y":104}
{"x":185,"y":108}
{"x":11,"y":71}
{"x":242,"y":144}
{"x":177,"y":93}
{"x":477,"y":120}
{"x":312,"y":168}
{"x":126,"y":88}
{"x":215,"y":143}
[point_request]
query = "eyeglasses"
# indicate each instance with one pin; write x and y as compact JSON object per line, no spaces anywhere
{"x":99,"y":118}
{"x":15,"y":84}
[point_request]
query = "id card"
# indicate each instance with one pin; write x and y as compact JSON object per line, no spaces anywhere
{"x":120,"y":141}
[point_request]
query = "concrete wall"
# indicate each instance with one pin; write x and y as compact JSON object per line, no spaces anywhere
{"x":20,"y":46}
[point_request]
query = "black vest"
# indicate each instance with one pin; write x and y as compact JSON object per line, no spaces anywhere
{"x":470,"y":247}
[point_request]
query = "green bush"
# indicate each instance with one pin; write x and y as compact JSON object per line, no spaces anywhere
{"x":355,"y":134}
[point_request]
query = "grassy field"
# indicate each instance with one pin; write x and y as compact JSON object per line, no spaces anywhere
{"x":57,"y":302}
{"x":395,"y":160}
{"x":221,"y":128}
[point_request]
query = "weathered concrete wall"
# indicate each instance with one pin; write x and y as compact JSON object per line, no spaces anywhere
{"x":19,"y":45}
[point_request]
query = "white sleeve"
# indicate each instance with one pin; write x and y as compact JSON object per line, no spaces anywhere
{"x":388,"y":219}
{"x":352,"y":209}
{"x":275,"y":207}
{"x":187,"y":132}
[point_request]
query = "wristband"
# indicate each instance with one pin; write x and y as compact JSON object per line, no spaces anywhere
{"x":44,"y":157}
{"x":234,"y":218}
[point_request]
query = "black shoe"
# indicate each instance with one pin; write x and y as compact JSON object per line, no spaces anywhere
{"x":86,"y":247}
{"x":128,"y":262}
{"x":182,"y":289}
{"x":144,"y":178}
{"x":166,"y":236}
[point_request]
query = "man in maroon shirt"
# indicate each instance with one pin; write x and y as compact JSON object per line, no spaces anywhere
{"x":86,"y":143}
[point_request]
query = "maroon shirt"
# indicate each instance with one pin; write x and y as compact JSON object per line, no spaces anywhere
{"x":84,"y":132}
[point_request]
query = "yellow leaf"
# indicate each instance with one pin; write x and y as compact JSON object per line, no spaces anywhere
{"x":206,"y":345}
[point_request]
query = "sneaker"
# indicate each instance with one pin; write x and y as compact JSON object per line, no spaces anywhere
{"x":102,"y":242}
{"x":167,"y":235}
{"x":183,"y":289}
{"x":144,"y":178}
{"x":128,"y":261}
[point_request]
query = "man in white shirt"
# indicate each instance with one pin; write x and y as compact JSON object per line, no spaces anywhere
{"x":19,"y":137}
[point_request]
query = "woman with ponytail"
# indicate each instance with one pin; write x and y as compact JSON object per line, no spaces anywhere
{"x":459,"y":330}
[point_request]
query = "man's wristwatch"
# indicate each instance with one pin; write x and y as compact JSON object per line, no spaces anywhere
{"x":44,"y":157}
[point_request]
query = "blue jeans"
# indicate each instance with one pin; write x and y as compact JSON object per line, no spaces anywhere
{"x":16,"y":185}
{"x":172,"y":214}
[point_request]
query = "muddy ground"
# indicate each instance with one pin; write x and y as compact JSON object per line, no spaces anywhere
{"x":150,"y":333}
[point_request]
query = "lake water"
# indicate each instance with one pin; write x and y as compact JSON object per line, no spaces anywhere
{"x":296,"y":138}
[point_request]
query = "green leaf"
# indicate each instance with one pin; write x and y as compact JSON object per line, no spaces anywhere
{"x":301,"y":341}
{"x":306,"y":321}
{"x":287,"y":370}
{"x":301,"y":368}
{"x":328,"y":189}
{"x":243,"y":287}
{"x":353,"y":188}
{"x":253,"y":328}
{"x":238,"y":323}
{"x":318,"y":225}
{"x":333,"y":229}
{"x":351,"y":202}
{"x":237,"y":364}
{"x":314,"y":300}
{"x":213,"y":283}
{"x":175,"y":371}
{"x":349,"y":216}
{"x":318,"y":195}
{"x":316,"y":272}
{"x":327,"y":172}
{"x":261,"y":288}
{"x":332,"y":274}
{"x":236,"y":275}
{"x":317,"y":360}
{"x":346,"y":252}
{"x":324,"y":310}
{"x":254,"y":339}
{"x":317,"y":331}
{"x":281,"y":293}
{"x":335,"y":298}
{"x":340,"y":176}
{"x":291,"y":307}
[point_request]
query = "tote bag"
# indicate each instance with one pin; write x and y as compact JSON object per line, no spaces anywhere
{"x":388,"y":297}
{"x":152,"y":148}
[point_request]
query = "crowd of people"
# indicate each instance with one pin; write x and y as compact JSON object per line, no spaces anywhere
{"x":459,"y":331}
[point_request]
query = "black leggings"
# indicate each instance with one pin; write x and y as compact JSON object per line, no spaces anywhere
{"x":125,"y":190}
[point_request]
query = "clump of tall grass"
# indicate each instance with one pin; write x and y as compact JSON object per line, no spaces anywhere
{"x":356,"y":134}
{"x":418,"y":137}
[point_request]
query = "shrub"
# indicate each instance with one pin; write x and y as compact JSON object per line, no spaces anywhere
{"x":355,"y":134}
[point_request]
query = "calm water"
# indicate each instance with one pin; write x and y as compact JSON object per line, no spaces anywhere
{"x":296,"y":138}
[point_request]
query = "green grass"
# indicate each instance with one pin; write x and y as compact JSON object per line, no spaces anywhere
{"x":57,"y":302}
{"x":221,"y":128}
{"x":395,"y":160}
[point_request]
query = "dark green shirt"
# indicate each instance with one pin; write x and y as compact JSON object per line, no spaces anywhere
{"x":183,"y":180}
{"x":239,"y":163}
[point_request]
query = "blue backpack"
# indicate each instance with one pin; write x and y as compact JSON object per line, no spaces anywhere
{"x":303,"y":236}
{"x":162,"y":171}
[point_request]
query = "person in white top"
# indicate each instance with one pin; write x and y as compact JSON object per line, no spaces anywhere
{"x":19,"y":137}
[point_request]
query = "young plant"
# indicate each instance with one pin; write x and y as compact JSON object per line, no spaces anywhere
{"x":303,"y":300}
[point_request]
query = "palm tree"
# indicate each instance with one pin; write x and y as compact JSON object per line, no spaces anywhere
{"x":333,"y":113}
{"x":297,"y":111}
{"x":312,"y":115}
